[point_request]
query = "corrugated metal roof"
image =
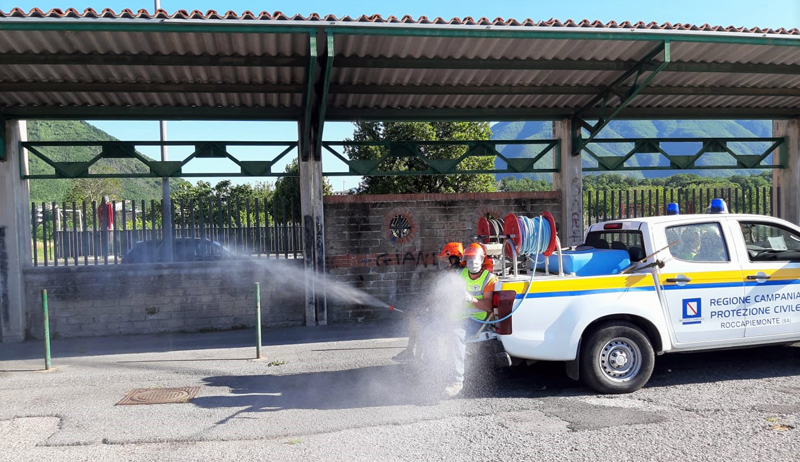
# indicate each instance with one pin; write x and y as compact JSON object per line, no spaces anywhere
{"x":212,"y":15}
{"x":109,"y":64}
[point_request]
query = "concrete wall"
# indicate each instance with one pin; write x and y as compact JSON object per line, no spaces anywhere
{"x":144,"y":299}
{"x":361,"y":251}
{"x":15,"y":253}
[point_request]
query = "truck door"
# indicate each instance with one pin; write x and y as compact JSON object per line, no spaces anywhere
{"x":699,"y":279}
{"x":771,"y":269}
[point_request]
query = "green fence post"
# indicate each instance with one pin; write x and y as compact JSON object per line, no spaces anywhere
{"x":46,"y":331}
{"x":258,"y":321}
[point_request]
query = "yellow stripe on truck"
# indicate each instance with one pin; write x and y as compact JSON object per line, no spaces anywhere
{"x":581,"y":284}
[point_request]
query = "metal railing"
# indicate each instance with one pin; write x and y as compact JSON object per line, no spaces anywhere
{"x":91,"y":233}
{"x":604,"y":205}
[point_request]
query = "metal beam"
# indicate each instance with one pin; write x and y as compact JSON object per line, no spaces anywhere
{"x":133,"y":87}
{"x":461,"y":90}
{"x":308,"y":96}
{"x":530,"y":114}
{"x":383,"y":114}
{"x":446,"y":31}
{"x":323,"y":93}
{"x":156,"y":169}
{"x":557,"y":65}
{"x":553,"y":90}
{"x":708,"y":145}
{"x":149,"y":113}
{"x":441,"y":166}
{"x":625,"y":98}
{"x":3,"y":154}
{"x":546,"y":33}
{"x":172,"y":60}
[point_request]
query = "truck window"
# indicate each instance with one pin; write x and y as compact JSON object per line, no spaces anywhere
{"x":769,"y":242}
{"x":697,"y":242}
{"x":631,"y":241}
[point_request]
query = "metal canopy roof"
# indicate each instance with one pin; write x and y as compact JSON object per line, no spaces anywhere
{"x":269,"y":67}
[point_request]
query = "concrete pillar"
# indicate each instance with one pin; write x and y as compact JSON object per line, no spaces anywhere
{"x":570,"y":182}
{"x":15,"y":232}
{"x":310,"y":163}
{"x":788,"y":179}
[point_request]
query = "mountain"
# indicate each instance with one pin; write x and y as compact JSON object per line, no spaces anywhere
{"x":71,"y":130}
{"x":640,"y":129}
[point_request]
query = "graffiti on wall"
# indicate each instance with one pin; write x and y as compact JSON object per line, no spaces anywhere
{"x":409,"y":258}
{"x":576,"y":221}
{"x":412,"y":259}
{"x":5,"y":304}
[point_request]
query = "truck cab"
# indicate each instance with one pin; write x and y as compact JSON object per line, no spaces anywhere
{"x":642,"y":287}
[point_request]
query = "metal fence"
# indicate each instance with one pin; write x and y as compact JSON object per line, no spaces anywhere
{"x":88,"y":233}
{"x":604,"y":205}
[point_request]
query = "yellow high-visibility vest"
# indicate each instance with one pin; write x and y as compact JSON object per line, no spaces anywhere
{"x":475,"y":287}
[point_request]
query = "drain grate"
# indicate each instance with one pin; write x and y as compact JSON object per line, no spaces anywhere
{"x":159,"y":395}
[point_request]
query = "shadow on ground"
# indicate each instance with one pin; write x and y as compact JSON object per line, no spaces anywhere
{"x":396,"y":385}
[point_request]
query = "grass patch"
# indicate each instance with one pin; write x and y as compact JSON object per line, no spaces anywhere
{"x":294,"y":441}
{"x":276,"y":363}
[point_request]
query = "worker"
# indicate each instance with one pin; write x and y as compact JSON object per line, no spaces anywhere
{"x":449,"y":259}
{"x":480,"y":285}
{"x":689,"y":244}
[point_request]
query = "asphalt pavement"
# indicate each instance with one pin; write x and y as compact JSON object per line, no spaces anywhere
{"x":333,"y":393}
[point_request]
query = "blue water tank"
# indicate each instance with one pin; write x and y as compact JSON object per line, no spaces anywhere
{"x":590,"y":262}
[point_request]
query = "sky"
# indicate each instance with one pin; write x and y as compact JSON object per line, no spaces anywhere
{"x":750,"y":13}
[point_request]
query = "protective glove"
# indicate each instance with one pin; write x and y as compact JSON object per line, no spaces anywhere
{"x":469,"y":298}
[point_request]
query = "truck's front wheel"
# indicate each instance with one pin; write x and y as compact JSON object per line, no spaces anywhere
{"x":616,"y":357}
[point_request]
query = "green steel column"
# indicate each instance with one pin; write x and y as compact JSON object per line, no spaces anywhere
{"x":258,"y":321}
{"x":46,"y":318}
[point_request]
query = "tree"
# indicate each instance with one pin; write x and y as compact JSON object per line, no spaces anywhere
{"x":287,"y":188}
{"x":93,"y":189}
{"x":223,"y":195}
{"x":422,"y":131}
{"x":511,"y":184}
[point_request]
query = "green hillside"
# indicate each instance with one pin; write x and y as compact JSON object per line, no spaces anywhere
{"x":72,"y":130}
{"x":640,"y":129}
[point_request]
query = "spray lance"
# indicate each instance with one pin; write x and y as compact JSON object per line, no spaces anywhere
{"x":658,"y":263}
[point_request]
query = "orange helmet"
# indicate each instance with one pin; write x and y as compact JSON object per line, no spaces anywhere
{"x":452,"y":249}
{"x":488,"y":264}
{"x":475,"y":250}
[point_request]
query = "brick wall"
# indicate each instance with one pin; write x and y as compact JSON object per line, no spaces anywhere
{"x":361,"y":250}
{"x":145,"y":299}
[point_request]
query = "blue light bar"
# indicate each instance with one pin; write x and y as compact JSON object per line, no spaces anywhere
{"x":718,"y":206}
{"x":673,"y":209}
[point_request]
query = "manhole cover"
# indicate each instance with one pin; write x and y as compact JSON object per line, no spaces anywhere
{"x":159,"y":395}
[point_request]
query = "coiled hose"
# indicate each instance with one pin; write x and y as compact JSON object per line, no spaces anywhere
{"x":535,"y":238}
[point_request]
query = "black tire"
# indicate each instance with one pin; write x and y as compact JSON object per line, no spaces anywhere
{"x":616,"y":357}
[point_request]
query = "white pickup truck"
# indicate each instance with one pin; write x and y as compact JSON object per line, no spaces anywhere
{"x":707,"y":281}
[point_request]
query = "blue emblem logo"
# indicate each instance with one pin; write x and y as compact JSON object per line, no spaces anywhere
{"x":692,"y":311}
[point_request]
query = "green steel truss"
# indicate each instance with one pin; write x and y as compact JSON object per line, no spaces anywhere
{"x":263,"y":168}
{"x":607,"y":163}
{"x":475,"y":148}
{"x":156,"y":169}
{"x":616,"y":91}
{"x":734,"y":148}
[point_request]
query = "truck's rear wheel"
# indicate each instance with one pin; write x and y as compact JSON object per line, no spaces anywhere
{"x":616,"y":357}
